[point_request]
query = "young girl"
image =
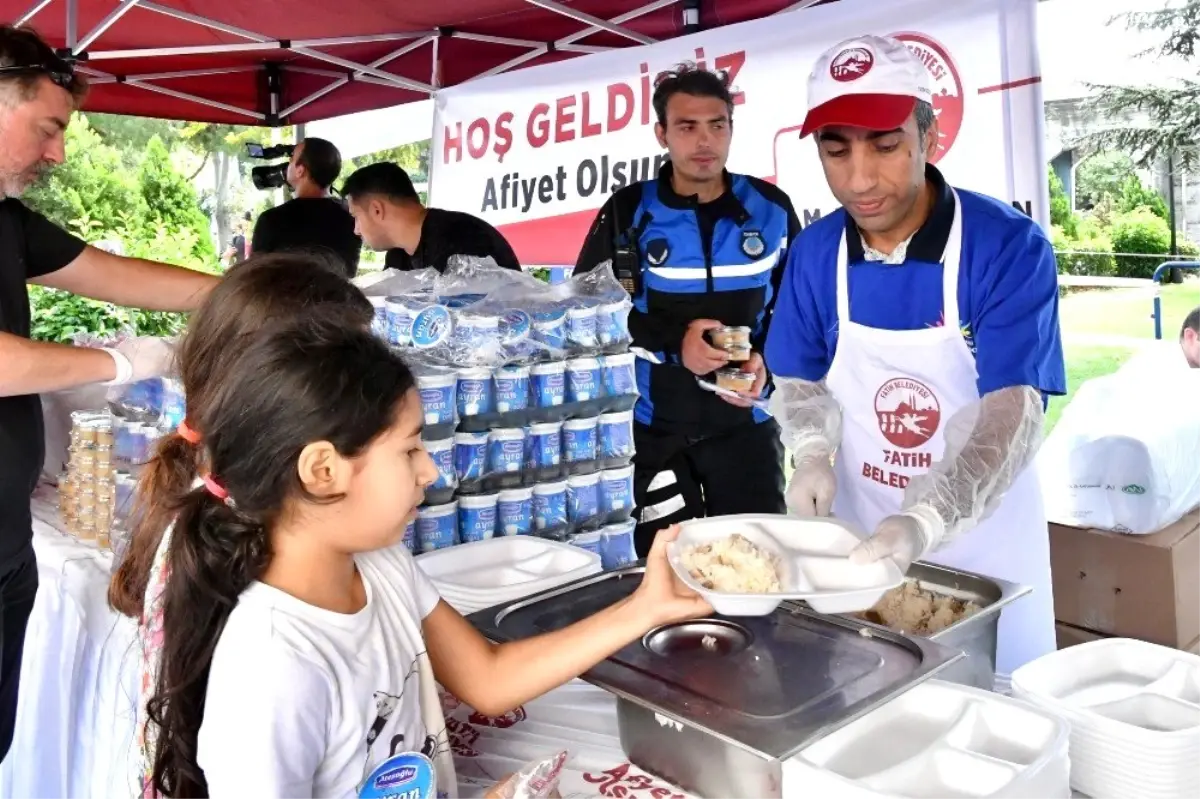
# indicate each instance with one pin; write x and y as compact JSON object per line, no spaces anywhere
{"x":266,"y":288}
{"x":299,"y":632}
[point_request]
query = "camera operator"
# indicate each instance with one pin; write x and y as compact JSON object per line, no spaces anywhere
{"x":313,"y":220}
{"x":391,"y":217}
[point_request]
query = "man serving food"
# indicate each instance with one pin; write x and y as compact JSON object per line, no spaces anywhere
{"x":916,"y":339}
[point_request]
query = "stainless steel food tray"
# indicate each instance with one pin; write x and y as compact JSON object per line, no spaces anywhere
{"x":768,"y":685}
{"x":976,"y":635}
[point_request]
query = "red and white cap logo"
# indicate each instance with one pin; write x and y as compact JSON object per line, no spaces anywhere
{"x":851,"y":64}
{"x":871,"y":82}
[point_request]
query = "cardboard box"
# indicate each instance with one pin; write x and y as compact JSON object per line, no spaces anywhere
{"x":1068,"y":635}
{"x":1132,"y":586}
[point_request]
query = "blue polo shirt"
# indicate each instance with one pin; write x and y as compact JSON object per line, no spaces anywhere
{"x":1007,"y":293}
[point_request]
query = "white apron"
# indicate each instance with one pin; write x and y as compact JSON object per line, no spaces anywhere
{"x":898,"y":389}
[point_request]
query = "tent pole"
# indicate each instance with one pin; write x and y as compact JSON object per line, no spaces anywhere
{"x":32,"y":12}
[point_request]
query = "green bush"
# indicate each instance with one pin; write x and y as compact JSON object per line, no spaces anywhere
{"x":1090,"y":253}
{"x":1139,"y":231}
{"x":1061,"y":213}
{"x":1134,"y":195}
{"x":171,"y":200}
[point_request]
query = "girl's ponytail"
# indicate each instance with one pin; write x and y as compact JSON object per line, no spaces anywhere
{"x":215,"y":553}
{"x":164,"y":484}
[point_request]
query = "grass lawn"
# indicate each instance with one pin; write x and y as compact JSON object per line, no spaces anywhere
{"x":1127,"y":312}
{"x":1124,"y":313}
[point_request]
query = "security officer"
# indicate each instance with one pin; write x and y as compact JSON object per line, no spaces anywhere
{"x":698,"y":248}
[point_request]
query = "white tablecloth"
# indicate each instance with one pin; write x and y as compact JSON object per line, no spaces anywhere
{"x":75,"y":719}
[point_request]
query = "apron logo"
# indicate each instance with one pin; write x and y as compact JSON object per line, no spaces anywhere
{"x":1134,"y":489}
{"x":657,"y":252}
{"x":753,"y":244}
{"x":908,"y":412}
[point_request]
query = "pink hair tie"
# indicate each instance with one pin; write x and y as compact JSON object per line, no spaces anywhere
{"x":215,"y":488}
{"x":188,"y":434}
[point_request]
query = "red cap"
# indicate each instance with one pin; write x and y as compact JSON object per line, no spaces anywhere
{"x":870,"y":111}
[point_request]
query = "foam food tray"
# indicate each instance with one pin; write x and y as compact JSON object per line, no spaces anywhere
{"x":814,"y":564}
{"x":479,"y":569}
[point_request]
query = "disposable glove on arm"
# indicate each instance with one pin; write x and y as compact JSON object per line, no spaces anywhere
{"x":811,"y":423}
{"x":987,"y":445}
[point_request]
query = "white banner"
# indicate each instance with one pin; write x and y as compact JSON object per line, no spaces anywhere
{"x":537,"y":151}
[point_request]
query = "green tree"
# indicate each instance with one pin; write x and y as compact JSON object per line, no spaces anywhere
{"x":1061,"y":213}
{"x":414,"y":158}
{"x":93,"y":190}
{"x":1172,"y":127}
{"x":171,"y":199}
{"x":1135,"y":195}
{"x":1101,"y":176}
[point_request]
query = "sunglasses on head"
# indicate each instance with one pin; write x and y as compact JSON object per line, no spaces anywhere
{"x":58,"y":70}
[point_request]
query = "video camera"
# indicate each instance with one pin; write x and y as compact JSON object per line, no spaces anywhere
{"x":273,"y":176}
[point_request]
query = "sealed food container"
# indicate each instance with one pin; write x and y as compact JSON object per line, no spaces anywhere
{"x":437,"y":527}
{"x":620,"y":376}
{"x":580,"y":440}
{"x":549,"y":505}
{"x":581,"y":326}
{"x":475,"y":392}
{"x":442,"y":453}
{"x":506,"y":451}
{"x":476,"y":518}
{"x":549,"y":384}
{"x":514,"y":512}
{"x":512,"y":388}
{"x":438,"y":397}
{"x":735,"y":380}
{"x":545,"y":444}
{"x":470,"y":456}
{"x":730,"y":338}
{"x":583,"y":497}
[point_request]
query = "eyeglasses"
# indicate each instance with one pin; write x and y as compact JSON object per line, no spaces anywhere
{"x":59,"y":71}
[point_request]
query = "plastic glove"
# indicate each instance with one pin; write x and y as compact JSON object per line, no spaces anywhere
{"x":149,"y":356}
{"x":811,"y":491}
{"x":905,"y":538}
{"x":809,"y":417}
{"x":987,"y":446}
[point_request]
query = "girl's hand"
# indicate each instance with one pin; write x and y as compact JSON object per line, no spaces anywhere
{"x":662,"y":596}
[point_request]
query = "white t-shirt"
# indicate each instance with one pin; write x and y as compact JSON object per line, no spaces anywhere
{"x":304,"y":702}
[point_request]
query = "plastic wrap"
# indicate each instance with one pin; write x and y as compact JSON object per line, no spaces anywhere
{"x":809,"y":417}
{"x":533,"y":781}
{"x":987,"y":445}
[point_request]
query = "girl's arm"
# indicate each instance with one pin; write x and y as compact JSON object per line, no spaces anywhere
{"x":494,"y":679}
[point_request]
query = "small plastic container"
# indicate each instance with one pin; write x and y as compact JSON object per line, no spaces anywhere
{"x":476,"y":518}
{"x":437,"y":527}
{"x":549,"y":384}
{"x":399,"y":320}
{"x":514,"y":512}
{"x":512,"y":388}
{"x":731,"y":338}
{"x":410,"y":536}
{"x":550,"y":329}
{"x":616,"y":490}
{"x":545,"y":445}
{"x":549,"y":505}
{"x":438,"y":397}
{"x":620,"y":374}
{"x":476,"y":394}
{"x":379,"y":324}
{"x":612,"y":323}
{"x":470,"y":456}
{"x":581,"y":327}
{"x":580,"y":442}
{"x":583,"y":498}
{"x":442,"y":453}
{"x":589,"y":541}
{"x":617,"y":548}
{"x":735,"y":380}
{"x":616,"y":435}
{"x":583,"y":380}
{"x":506,"y":451}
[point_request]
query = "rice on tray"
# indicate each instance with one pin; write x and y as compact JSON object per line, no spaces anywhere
{"x":733,"y":565}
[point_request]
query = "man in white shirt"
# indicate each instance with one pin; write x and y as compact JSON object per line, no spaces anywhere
{"x":1169,"y":356}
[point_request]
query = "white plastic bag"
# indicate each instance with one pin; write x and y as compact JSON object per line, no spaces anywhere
{"x":534,"y":781}
{"x":1125,"y":456}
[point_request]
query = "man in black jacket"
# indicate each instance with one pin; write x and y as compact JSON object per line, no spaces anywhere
{"x":313,"y":221}
{"x":390,"y":216}
{"x":701,"y":248}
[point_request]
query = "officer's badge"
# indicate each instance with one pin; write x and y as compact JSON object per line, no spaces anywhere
{"x":753,"y":244}
{"x":657,"y":252}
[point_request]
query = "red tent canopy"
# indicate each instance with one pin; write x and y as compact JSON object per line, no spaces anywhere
{"x":262,"y":62}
